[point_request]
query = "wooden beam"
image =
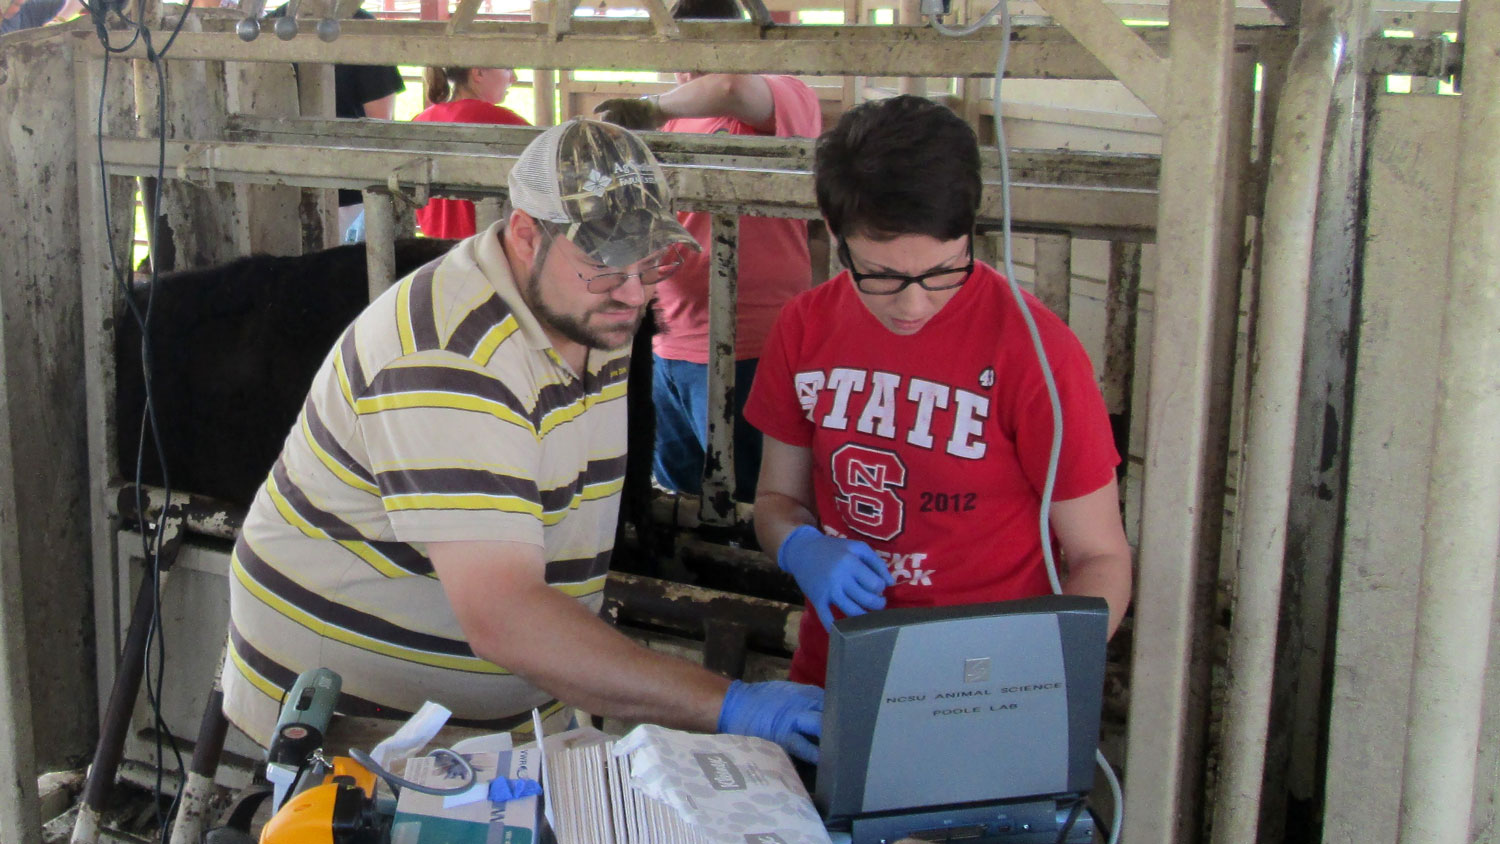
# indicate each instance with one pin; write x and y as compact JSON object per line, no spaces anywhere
{"x":726,"y":47}
{"x":463,"y":16}
{"x":1165,"y":709}
{"x":1124,"y":213}
{"x":1119,"y":47}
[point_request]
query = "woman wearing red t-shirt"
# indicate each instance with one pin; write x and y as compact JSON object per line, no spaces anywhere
{"x":462,"y":95}
{"x":908,"y":423}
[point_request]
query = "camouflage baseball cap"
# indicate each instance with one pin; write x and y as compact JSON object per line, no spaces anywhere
{"x":604,"y":185}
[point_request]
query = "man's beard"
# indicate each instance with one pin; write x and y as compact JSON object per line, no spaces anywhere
{"x":575,"y":328}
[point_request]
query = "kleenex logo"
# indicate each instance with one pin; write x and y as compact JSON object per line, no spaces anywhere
{"x":764,"y":838}
{"x":722,"y":774}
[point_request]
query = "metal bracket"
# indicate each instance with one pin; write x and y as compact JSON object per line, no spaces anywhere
{"x":198,"y":156}
{"x":421,"y":190}
{"x":172,"y":518}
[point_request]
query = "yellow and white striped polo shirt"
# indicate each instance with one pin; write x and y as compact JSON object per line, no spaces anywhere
{"x":443,"y":413}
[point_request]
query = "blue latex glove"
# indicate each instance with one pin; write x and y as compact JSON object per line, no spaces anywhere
{"x":834,"y":572}
{"x":790,"y":714}
{"x":505,"y":789}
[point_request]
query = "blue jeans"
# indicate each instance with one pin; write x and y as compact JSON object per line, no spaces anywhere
{"x":680,"y":391}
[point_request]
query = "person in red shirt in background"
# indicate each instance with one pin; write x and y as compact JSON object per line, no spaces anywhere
{"x":462,"y":95}
{"x":774,"y":264}
{"x":907,"y":418}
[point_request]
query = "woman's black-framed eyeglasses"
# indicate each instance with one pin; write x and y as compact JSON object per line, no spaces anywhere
{"x":889,"y":284}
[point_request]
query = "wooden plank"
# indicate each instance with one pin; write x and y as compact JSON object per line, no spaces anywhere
{"x":543,"y":80}
{"x":1410,"y":187}
{"x":1054,"y":272}
{"x":105,"y":249}
{"x":1167,"y":711}
{"x":197,"y":224}
{"x":271,"y":214}
{"x":1124,"y":213}
{"x":317,"y":210}
{"x":1122,"y":49}
{"x":726,"y":47}
{"x":38,"y":158}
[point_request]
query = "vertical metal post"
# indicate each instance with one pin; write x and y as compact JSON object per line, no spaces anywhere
{"x":1462,"y":533}
{"x":1320,"y":461}
{"x":909,"y":13}
{"x":723,"y":285}
{"x":853,"y":14}
{"x":1164,"y":731}
{"x":1281,"y":315}
{"x":25,"y":201}
{"x":19,"y":811}
{"x":380,"y":241}
{"x":104,"y":248}
{"x":1121,"y":302}
{"x":1054,"y":272}
{"x":543,"y":80}
{"x":318,"y":210}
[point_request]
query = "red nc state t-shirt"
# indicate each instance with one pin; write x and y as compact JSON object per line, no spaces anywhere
{"x":932,"y":447}
{"x":455,"y":217}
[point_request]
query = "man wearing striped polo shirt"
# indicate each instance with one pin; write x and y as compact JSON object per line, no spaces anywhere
{"x":440,"y":521}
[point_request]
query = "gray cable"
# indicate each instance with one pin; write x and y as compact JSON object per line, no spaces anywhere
{"x":397,"y":782}
{"x":1053,"y":457}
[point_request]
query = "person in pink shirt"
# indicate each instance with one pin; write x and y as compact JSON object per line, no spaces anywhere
{"x":774,"y":264}
{"x":462,"y":95}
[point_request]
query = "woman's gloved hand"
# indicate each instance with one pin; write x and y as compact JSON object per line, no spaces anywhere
{"x":834,"y":572}
{"x":790,"y":714}
{"x":638,"y":113}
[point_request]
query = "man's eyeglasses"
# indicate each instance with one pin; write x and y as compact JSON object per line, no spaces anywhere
{"x":889,"y":284}
{"x":610,"y":280}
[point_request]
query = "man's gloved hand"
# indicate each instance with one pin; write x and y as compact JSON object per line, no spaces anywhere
{"x":790,"y":714}
{"x":834,"y":572}
{"x":638,"y":113}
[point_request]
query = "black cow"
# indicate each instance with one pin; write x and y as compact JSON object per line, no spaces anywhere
{"x":234,"y":349}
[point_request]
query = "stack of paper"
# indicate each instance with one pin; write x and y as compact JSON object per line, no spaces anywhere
{"x":659,"y":785}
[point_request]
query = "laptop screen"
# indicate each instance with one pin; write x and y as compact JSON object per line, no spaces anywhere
{"x":948,"y":705}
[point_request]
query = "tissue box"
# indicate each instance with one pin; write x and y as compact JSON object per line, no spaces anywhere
{"x":422,"y":818}
{"x":669,"y":787}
